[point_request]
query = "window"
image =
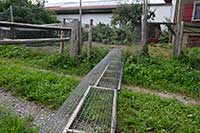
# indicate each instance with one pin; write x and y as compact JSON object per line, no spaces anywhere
{"x":196,"y":12}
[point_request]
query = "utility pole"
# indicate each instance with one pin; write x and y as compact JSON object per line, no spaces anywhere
{"x":144,"y":27}
{"x":80,"y":28}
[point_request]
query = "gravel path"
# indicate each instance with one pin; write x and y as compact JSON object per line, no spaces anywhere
{"x":25,"y":108}
{"x":181,"y":98}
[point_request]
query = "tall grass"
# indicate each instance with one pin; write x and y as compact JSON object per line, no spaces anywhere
{"x":139,"y":113}
{"x":53,"y":61}
{"x":43,"y":87}
{"x":175,"y":75}
{"x":11,"y":123}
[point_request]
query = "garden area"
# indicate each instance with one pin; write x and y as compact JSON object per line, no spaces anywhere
{"x":158,"y":92}
{"x":48,"y":78}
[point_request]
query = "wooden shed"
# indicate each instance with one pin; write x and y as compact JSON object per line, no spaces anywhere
{"x":187,"y":24}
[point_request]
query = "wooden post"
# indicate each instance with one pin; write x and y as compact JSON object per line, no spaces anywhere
{"x":80,"y":26}
{"x":78,"y":34}
{"x":73,"y":38}
{"x":75,"y":43}
{"x":62,"y":44}
{"x":179,"y":45}
{"x":178,"y":37}
{"x":11,"y":14}
{"x":90,"y":33}
{"x":12,"y":29}
{"x":144,"y":28}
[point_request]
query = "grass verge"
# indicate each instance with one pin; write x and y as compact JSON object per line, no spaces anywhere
{"x":52,"y":60}
{"x":43,"y":87}
{"x":174,"y":75}
{"x":147,"y":113}
{"x":11,"y":123}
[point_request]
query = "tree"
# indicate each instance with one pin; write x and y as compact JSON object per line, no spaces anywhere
{"x":25,"y":11}
{"x":128,"y":16}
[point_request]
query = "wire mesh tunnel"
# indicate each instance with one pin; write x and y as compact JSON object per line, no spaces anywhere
{"x":92,"y":105}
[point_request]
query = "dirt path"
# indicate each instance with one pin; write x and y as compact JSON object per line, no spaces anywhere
{"x":25,"y":108}
{"x":181,"y":98}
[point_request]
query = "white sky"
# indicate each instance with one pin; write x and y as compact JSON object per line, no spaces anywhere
{"x":58,"y":1}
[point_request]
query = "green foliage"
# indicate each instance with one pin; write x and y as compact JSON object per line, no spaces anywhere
{"x":127,"y":15}
{"x":157,"y":73}
{"x":111,"y":35}
{"x":43,"y":87}
{"x":191,"y":57}
{"x":54,"y":61}
{"x":11,"y":123}
{"x":26,"y":12}
{"x":126,"y":23}
{"x":146,"y":113}
{"x":164,"y":37}
{"x":103,"y":33}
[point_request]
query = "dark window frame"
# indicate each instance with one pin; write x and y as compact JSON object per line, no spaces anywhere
{"x":196,"y":3}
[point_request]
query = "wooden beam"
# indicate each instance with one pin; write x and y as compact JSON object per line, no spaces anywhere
{"x":90,"y":32}
{"x":191,"y":25}
{"x":33,"y":26}
{"x":30,"y":41}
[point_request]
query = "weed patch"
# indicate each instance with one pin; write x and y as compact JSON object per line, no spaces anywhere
{"x":54,"y":61}
{"x":11,"y":123}
{"x":173,"y":75}
{"x":43,"y":87}
{"x":147,"y":113}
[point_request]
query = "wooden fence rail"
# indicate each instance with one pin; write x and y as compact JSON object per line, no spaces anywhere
{"x":62,"y":28}
{"x":33,"y":26}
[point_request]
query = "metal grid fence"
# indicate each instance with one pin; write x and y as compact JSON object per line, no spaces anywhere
{"x":92,"y":105}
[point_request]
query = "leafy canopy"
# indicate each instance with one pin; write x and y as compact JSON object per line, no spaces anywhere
{"x":25,"y":11}
{"x":129,"y":15}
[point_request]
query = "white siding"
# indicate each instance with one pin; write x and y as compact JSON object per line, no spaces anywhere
{"x":98,"y":18}
{"x":163,"y":12}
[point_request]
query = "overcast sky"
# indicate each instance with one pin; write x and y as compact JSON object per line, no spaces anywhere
{"x":57,"y":1}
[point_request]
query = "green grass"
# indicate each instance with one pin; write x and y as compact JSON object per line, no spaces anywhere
{"x":53,"y":61}
{"x":147,"y":113}
{"x":11,"y":123}
{"x":43,"y":87}
{"x":175,"y":75}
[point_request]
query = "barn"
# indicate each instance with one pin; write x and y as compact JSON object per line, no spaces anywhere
{"x":102,"y":11}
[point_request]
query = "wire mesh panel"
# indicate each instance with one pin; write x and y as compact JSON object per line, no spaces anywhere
{"x":96,"y":112}
{"x":91,"y":110}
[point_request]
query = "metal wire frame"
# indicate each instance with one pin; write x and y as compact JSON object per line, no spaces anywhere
{"x":109,"y":67}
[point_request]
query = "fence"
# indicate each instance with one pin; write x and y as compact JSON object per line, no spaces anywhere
{"x":61,"y":30}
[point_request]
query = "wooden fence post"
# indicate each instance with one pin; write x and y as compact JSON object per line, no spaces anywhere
{"x":90,"y":33}
{"x":78,"y":38}
{"x":180,"y":41}
{"x":12,"y":29}
{"x":75,"y":40}
{"x":62,"y":44}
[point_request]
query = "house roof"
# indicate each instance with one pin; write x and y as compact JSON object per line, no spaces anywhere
{"x":105,"y":6}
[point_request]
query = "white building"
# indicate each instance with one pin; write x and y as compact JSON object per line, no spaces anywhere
{"x":101,"y":11}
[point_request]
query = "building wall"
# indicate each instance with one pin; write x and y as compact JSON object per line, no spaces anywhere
{"x":98,"y":18}
{"x":187,"y":10}
{"x":163,"y":13}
